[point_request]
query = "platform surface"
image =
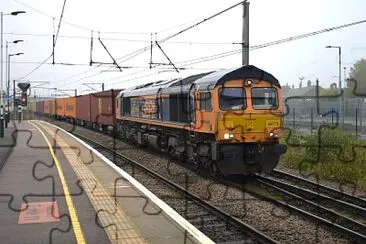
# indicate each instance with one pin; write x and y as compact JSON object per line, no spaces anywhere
{"x":53,"y":189}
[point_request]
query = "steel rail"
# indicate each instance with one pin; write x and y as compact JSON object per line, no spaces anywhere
{"x":228,"y":219}
{"x":326,"y":190}
{"x":333,"y":223}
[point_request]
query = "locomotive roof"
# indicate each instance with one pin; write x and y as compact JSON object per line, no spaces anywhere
{"x":208,"y":82}
{"x":203,"y":81}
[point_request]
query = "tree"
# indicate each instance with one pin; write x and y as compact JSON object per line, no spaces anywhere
{"x":357,"y":76}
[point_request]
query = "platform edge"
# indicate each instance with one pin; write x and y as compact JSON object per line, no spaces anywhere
{"x":169,"y":212}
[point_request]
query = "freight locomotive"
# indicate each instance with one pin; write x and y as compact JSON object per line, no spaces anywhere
{"x":227,"y":122}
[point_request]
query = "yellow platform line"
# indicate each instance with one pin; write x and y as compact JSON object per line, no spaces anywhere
{"x":79,"y":235}
{"x":118,"y":227}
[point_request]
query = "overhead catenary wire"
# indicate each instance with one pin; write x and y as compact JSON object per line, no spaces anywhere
{"x":54,"y":44}
{"x":36,"y":68}
{"x":124,"y":39}
{"x":76,"y":25}
{"x":49,"y":16}
{"x":146,"y":48}
{"x":256,"y":47}
{"x":201,"y":22}
{"x":142,"y":50}
{"x":272,"y":43}
{"x":233,"y":52}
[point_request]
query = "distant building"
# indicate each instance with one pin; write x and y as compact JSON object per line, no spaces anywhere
{"x":300,"y":99}
{"x":301,"y":92}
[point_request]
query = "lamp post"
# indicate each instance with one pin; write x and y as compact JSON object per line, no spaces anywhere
{"x":340,"y":80}
{"x":7,"y":110}
{"x":1,"y":70}
{"x":8,"y":85}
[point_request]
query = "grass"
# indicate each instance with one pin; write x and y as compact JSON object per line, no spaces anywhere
{"x":333,"y":154}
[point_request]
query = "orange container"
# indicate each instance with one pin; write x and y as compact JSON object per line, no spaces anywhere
{"x":70,"y":107}
{"x":52,"y":107}
{"x":60,"y":107}
{"x":46,"y":106}
{"x":34,"y":107}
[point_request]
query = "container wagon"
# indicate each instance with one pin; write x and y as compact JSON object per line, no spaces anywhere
{"x":83,"y":114}
{"x":60,"y":108}
{"x":70,"y":109}
{"x":102,"y":107}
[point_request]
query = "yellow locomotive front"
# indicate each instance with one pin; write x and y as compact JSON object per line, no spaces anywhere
{"x":247,"y":119}
{"x":248,"y":111}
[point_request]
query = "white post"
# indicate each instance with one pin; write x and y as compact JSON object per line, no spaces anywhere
{"x":341,"y":113}
{"x":6,"y":80}
{"x":245,"y":37}
{"x":1,"y":87}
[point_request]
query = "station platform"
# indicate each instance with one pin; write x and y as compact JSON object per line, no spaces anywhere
{"x":56,"y":189}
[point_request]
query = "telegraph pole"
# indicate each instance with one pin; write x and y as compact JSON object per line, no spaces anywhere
{"x":245,"y":40}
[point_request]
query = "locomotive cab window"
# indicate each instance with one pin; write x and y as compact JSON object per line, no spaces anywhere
{"x":232,"y":98}
{"x":126,"y":106}
{"x":205,"y":101}
{"x":264,"y":98}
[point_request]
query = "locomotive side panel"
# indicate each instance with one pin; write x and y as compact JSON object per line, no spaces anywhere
{"x":205,"y":112}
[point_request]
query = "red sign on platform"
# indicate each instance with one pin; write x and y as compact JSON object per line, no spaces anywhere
{"x":39,"y":212}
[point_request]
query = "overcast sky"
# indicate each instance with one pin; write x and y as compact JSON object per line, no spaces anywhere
{"x":125,"y":27}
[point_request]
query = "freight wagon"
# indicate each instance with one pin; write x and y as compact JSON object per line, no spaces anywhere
{"x":40,"y":107}
{"x":70,"y":109}
{"x":96,"y":110}
{"x":60,"y":108}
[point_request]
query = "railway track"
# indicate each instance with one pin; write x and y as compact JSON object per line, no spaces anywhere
{"x":346,"y":214}
{"x":326,"y":190}
{"x":218,"y":225}
{"x":296,"y":198}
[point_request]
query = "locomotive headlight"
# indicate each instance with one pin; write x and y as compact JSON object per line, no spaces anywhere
{"x":249,"y":82}
{"x":273,"y":134}
{"x":228,"y":136}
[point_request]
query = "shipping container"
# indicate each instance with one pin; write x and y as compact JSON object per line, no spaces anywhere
{"x":60,"y":107}
{"x":103,"y":107}
{"x":70,"y":107}
{"x":39,"y":107}
{"x":83,"y":114}
{"x":46,"y":107}
{"x":52,"y":107}
{"x":34,"y":107}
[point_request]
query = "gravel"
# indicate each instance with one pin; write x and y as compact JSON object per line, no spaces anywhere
{"x":275,"y":222}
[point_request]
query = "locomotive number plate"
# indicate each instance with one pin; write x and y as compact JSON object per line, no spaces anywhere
{"x":272,"y":123}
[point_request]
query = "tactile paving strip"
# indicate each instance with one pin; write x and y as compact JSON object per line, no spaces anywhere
{"x":118,"y":226}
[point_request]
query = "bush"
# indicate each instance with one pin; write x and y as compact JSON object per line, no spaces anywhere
{"x":334,"y":154}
